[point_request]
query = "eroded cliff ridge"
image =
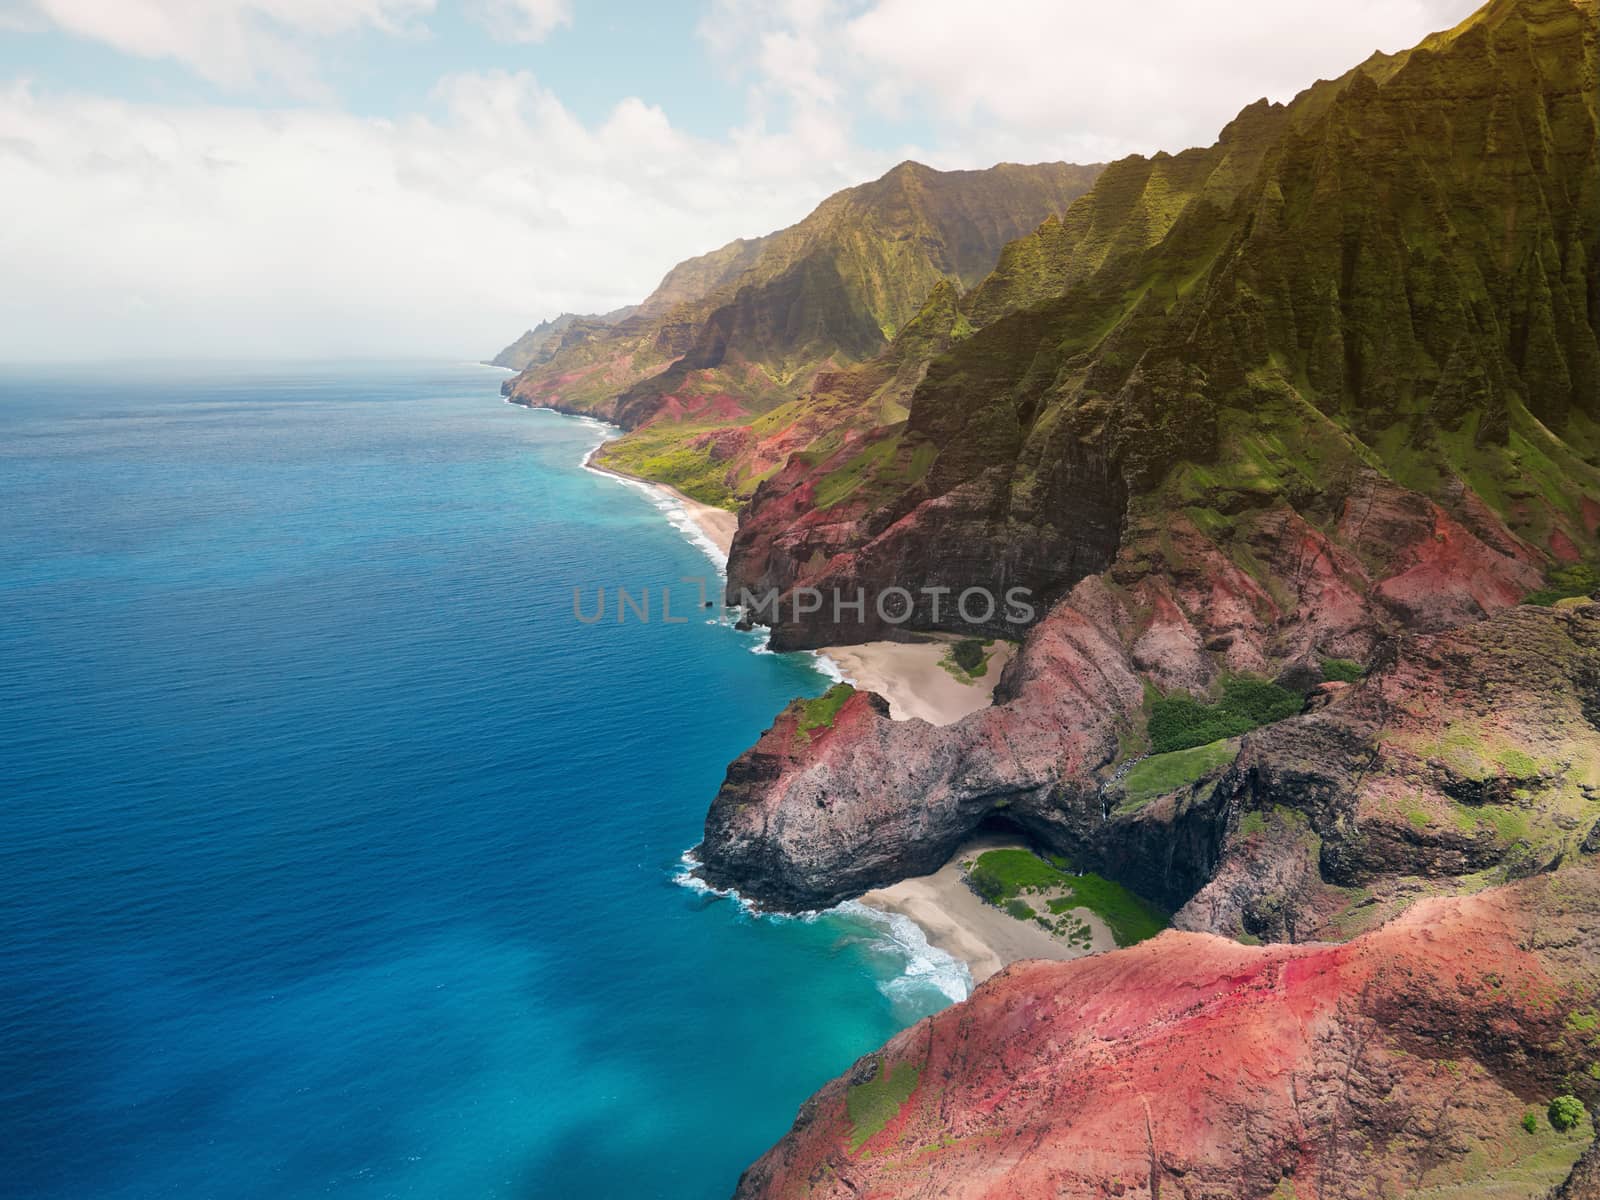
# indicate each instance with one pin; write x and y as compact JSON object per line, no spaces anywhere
{"x":1290,"y":526}
{"x":697,"y":370}
{"x":1385,"y":288}
{"x":1284,"y":434}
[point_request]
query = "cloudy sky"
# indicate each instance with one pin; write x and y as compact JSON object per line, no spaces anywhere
{"x":312,"y":178}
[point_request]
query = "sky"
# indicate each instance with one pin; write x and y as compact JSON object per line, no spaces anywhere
{"x":370,"y":178}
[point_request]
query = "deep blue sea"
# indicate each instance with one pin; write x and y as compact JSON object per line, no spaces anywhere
{"x":336,"y":857}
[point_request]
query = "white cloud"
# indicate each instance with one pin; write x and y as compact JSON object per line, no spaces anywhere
{"x":523,"y":20}
{"x":236,"y":43}
{"x":1037,"y":79}
{"x":166,"y":229}
{"x":144,"y":230}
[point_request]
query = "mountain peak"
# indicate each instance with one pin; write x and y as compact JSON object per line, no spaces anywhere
{"x":909,"y":166}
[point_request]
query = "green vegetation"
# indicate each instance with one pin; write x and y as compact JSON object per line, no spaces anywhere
{"x":837,"y":484}
{"x":818,"y":713}
{"x":1180,"y":722}
{"x":1163,"y":773}
{"x":1523,"y":766}
{"x":1566,"y":583}
{"x":1002,"y":876}
{"x":1566,"y":1112}
{"x":967,"y":661}
{"x":668,"y":454}
{"x":968,"y":655}
{"x":1020,"y":909}
{"x":1530,"y":1122}
{"x":1342,"y":670}
{"x":872,"y":1105}
{"x":1065,"y":924}
{"x":999,"y":875}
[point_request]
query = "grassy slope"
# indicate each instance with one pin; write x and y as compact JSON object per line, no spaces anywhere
{"x":1003,"y":876}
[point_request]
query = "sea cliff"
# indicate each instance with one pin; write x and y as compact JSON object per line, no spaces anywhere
{"x":1294,"y":441}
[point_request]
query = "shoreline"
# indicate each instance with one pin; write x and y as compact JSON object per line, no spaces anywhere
{"x":717,"y":525}
{"x":956,"y":920}
{"x":909,"y":675}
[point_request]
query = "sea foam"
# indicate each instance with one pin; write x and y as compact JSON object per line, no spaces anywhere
{"x":919,"y":967}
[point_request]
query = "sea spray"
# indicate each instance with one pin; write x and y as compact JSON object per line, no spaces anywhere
{"x":916,"y":977}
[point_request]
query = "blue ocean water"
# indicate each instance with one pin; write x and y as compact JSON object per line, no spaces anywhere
{"x":336,"y":857}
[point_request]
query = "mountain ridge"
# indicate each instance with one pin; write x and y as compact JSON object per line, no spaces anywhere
{"x":735,"y":333}
{"x":1405,"y":331}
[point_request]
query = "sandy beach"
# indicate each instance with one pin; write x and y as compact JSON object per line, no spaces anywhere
{"x":909,"y":676}
{"x":718,"y":524}
{"x":957,"y":921}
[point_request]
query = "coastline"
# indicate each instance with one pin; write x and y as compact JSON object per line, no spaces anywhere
{"x":910,"y":676}
{"x":954,"y":919}
{"x":906,"y":674}
{"x":718,"y":525}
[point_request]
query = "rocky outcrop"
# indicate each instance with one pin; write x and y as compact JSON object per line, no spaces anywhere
{"x":1194,"y":1067}
{"x":803,"y":821}
{"x":1464,"y":755}
{"x":1470,"y":756}
{"x":1584,"y":1182}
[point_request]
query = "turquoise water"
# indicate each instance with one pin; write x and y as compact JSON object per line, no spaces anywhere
{"x":336,"y":858}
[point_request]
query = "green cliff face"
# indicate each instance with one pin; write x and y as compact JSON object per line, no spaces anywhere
{"x":745,"y":328}
{"x":539,"y":344}
{"x":1398,"y":271}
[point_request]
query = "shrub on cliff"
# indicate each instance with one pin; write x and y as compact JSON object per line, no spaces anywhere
{"x":818,"y":713}
{"x":875,"y":1102}
{"x":1181,"y":722}
{"x":1566,"y":583}
{"x":1566,"y":1112}
{"x":968,"y":654}
{"x":1342,"y":670}
{"x":1163,"y":773}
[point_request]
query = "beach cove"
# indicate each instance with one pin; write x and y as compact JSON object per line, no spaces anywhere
{"x":914,"y":678}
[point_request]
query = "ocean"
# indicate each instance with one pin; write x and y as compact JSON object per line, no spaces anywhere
{"x":336,"y":857}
